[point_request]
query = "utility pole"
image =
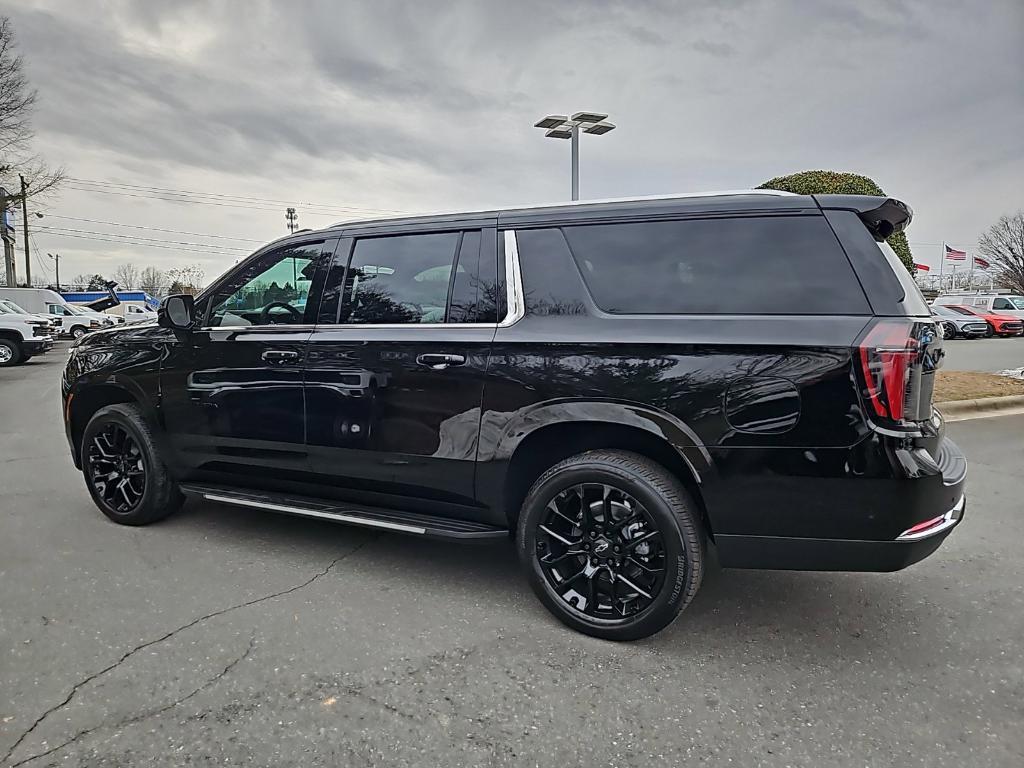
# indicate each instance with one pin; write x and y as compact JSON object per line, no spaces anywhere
{"x":56,"y":267}
{"x":12,"y":278}
{"x":24,"y":228}
{"x":292,"y":218}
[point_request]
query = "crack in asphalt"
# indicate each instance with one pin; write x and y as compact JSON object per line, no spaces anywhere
{"x":128,"y":654}
{"x":145,"y":715}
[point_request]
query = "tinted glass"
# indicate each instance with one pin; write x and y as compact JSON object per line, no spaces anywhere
{"x":551,"y":282}
{"x":790,"y":265}
{"x":271,"y":290}
{"x":466,"y":287}
{"x":400,"y":279}
{"x":962,"y":310}
{"x":1002,"y":304}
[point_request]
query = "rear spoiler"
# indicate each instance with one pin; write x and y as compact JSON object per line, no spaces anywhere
{"x":881,"y":215}
{"x":108,"y":301}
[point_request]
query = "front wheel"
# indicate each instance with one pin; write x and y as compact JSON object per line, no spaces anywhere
{"x":612,"y":544}
{"x":123,"y":470}
{"x":948,"y":331}
{"x":10,"y":353}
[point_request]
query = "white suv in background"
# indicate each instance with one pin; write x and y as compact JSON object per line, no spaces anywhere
{"x":997,"y":303}
{"x":22,"y":336}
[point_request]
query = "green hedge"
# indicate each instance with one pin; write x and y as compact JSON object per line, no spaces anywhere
{"x":836,"y":183}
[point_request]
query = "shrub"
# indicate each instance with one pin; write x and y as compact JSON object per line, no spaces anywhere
{"x":837,"y":183}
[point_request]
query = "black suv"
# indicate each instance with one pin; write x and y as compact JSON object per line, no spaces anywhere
{"x":616,"y":385}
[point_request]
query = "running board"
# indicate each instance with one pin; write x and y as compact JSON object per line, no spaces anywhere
{"x":368,"y":517}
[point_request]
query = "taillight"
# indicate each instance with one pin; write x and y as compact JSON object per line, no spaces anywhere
{"x":887,"y":354}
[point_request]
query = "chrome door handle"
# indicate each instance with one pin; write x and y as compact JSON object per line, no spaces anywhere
{"x":280,"y":356}
{"x":439,"y":362}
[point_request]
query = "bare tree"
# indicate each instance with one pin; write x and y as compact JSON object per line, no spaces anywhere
{"x":127,"y":277}
{"x":17,"y":100}
{"x":152,"y":281}
{"x":188,"y":278}
{"x":1003,"y":246}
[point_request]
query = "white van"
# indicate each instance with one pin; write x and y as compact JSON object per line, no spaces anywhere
{"x":997,"y":303}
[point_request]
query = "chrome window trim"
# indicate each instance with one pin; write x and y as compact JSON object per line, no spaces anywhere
{"x":513,"y":297}
{"x":513,"y":282}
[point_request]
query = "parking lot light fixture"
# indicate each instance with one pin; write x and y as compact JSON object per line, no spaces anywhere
{"x":562,"y":127}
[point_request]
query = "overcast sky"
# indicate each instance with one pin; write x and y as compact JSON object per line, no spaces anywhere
{"x":363,"y":107}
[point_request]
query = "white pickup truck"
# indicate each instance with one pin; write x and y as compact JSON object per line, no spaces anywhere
{"x":21,"y":337}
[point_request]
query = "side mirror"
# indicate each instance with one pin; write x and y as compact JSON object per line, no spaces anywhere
{"x":177,"y":312}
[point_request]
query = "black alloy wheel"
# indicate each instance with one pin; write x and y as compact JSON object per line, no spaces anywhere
{"x":117,"y":469}
{"x":601,"y":551}
{"x":612,"y":544}
{"x":948,"y":331}
{"x":123,"y":469}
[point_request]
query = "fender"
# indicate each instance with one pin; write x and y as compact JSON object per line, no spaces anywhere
{"x":501,"y":433}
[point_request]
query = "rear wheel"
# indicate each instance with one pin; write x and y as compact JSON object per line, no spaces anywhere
{"x":10,"y":353}
{"x":123,"y":470}
{"x":77,"y":332}
{"x":612,"y":544}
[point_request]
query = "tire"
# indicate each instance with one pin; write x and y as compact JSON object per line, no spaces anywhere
{"x":77,"y":332}
{"x":667,"y":523}
{"x":10,"y":353}
{"x":140,"y":502}
{"x":948,"y":331}
{"x":990,"y":332}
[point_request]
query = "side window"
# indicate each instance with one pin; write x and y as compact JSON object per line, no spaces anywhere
{"x":466,"y":286}
{"x":746,"y":266}
{"x":551,"y":282}
{"x":1001,"y":304}
{"x":271,"y":290}
{"x":400,"y":279}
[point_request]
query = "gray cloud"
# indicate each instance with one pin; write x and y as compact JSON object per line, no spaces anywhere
{"x":423,"y":106}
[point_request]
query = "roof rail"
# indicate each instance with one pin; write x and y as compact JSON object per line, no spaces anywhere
{"x":600,"y":201}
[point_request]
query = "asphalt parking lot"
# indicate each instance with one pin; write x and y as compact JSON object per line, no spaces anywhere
{"x":986,"y":355}
{"x":223,"y":636}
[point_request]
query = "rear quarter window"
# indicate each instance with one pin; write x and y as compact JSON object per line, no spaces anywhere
{"x":789,"y":265}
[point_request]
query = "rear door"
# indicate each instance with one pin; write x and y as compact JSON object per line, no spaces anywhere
{"x":396,"y":368}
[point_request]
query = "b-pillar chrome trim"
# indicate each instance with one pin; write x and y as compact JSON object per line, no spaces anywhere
{"x":513,"y":281}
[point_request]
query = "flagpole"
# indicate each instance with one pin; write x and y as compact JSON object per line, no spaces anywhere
{"x":942,"y":263}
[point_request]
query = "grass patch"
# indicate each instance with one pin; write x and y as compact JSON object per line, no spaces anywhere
{"x":970,"y":385}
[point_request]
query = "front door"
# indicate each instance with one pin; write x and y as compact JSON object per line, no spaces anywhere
{"x":232,"y":396}
{"x":396,"y":368}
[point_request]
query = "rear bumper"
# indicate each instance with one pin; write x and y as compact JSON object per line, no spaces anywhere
{"x":906,"y":519}
{"x":794,"y":554}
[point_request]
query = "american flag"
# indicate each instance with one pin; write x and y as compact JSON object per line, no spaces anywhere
{"x":981,"y":263}
{"x":954,"y":255}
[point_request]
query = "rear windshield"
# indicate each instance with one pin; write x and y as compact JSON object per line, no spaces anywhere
{"x":755,"y":266}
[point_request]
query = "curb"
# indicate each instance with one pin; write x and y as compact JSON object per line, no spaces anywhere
{"x":955,"y":410}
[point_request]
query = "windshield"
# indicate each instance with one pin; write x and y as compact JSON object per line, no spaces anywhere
{"x":13,"y":307}
{"x":1017,"y":301}
{"x":963,"y":310}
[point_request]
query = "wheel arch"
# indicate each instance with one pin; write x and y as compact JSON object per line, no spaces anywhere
{"x":552,"y":432}
{"x":88,"y":399}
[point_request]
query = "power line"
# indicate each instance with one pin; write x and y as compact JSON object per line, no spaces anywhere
{"x":185,"y":200}
{"x":230,"y":197}
{"x":154,"y":229}
{"x":207,"y":251}
{"x":65,"y":230}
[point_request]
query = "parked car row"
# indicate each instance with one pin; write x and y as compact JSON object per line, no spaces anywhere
{"x":979,"y":315}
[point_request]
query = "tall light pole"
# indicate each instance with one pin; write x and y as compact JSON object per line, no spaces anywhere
{"x":562,"y":127}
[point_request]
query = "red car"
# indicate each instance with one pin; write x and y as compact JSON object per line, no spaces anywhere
{"x":999,"y":325}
